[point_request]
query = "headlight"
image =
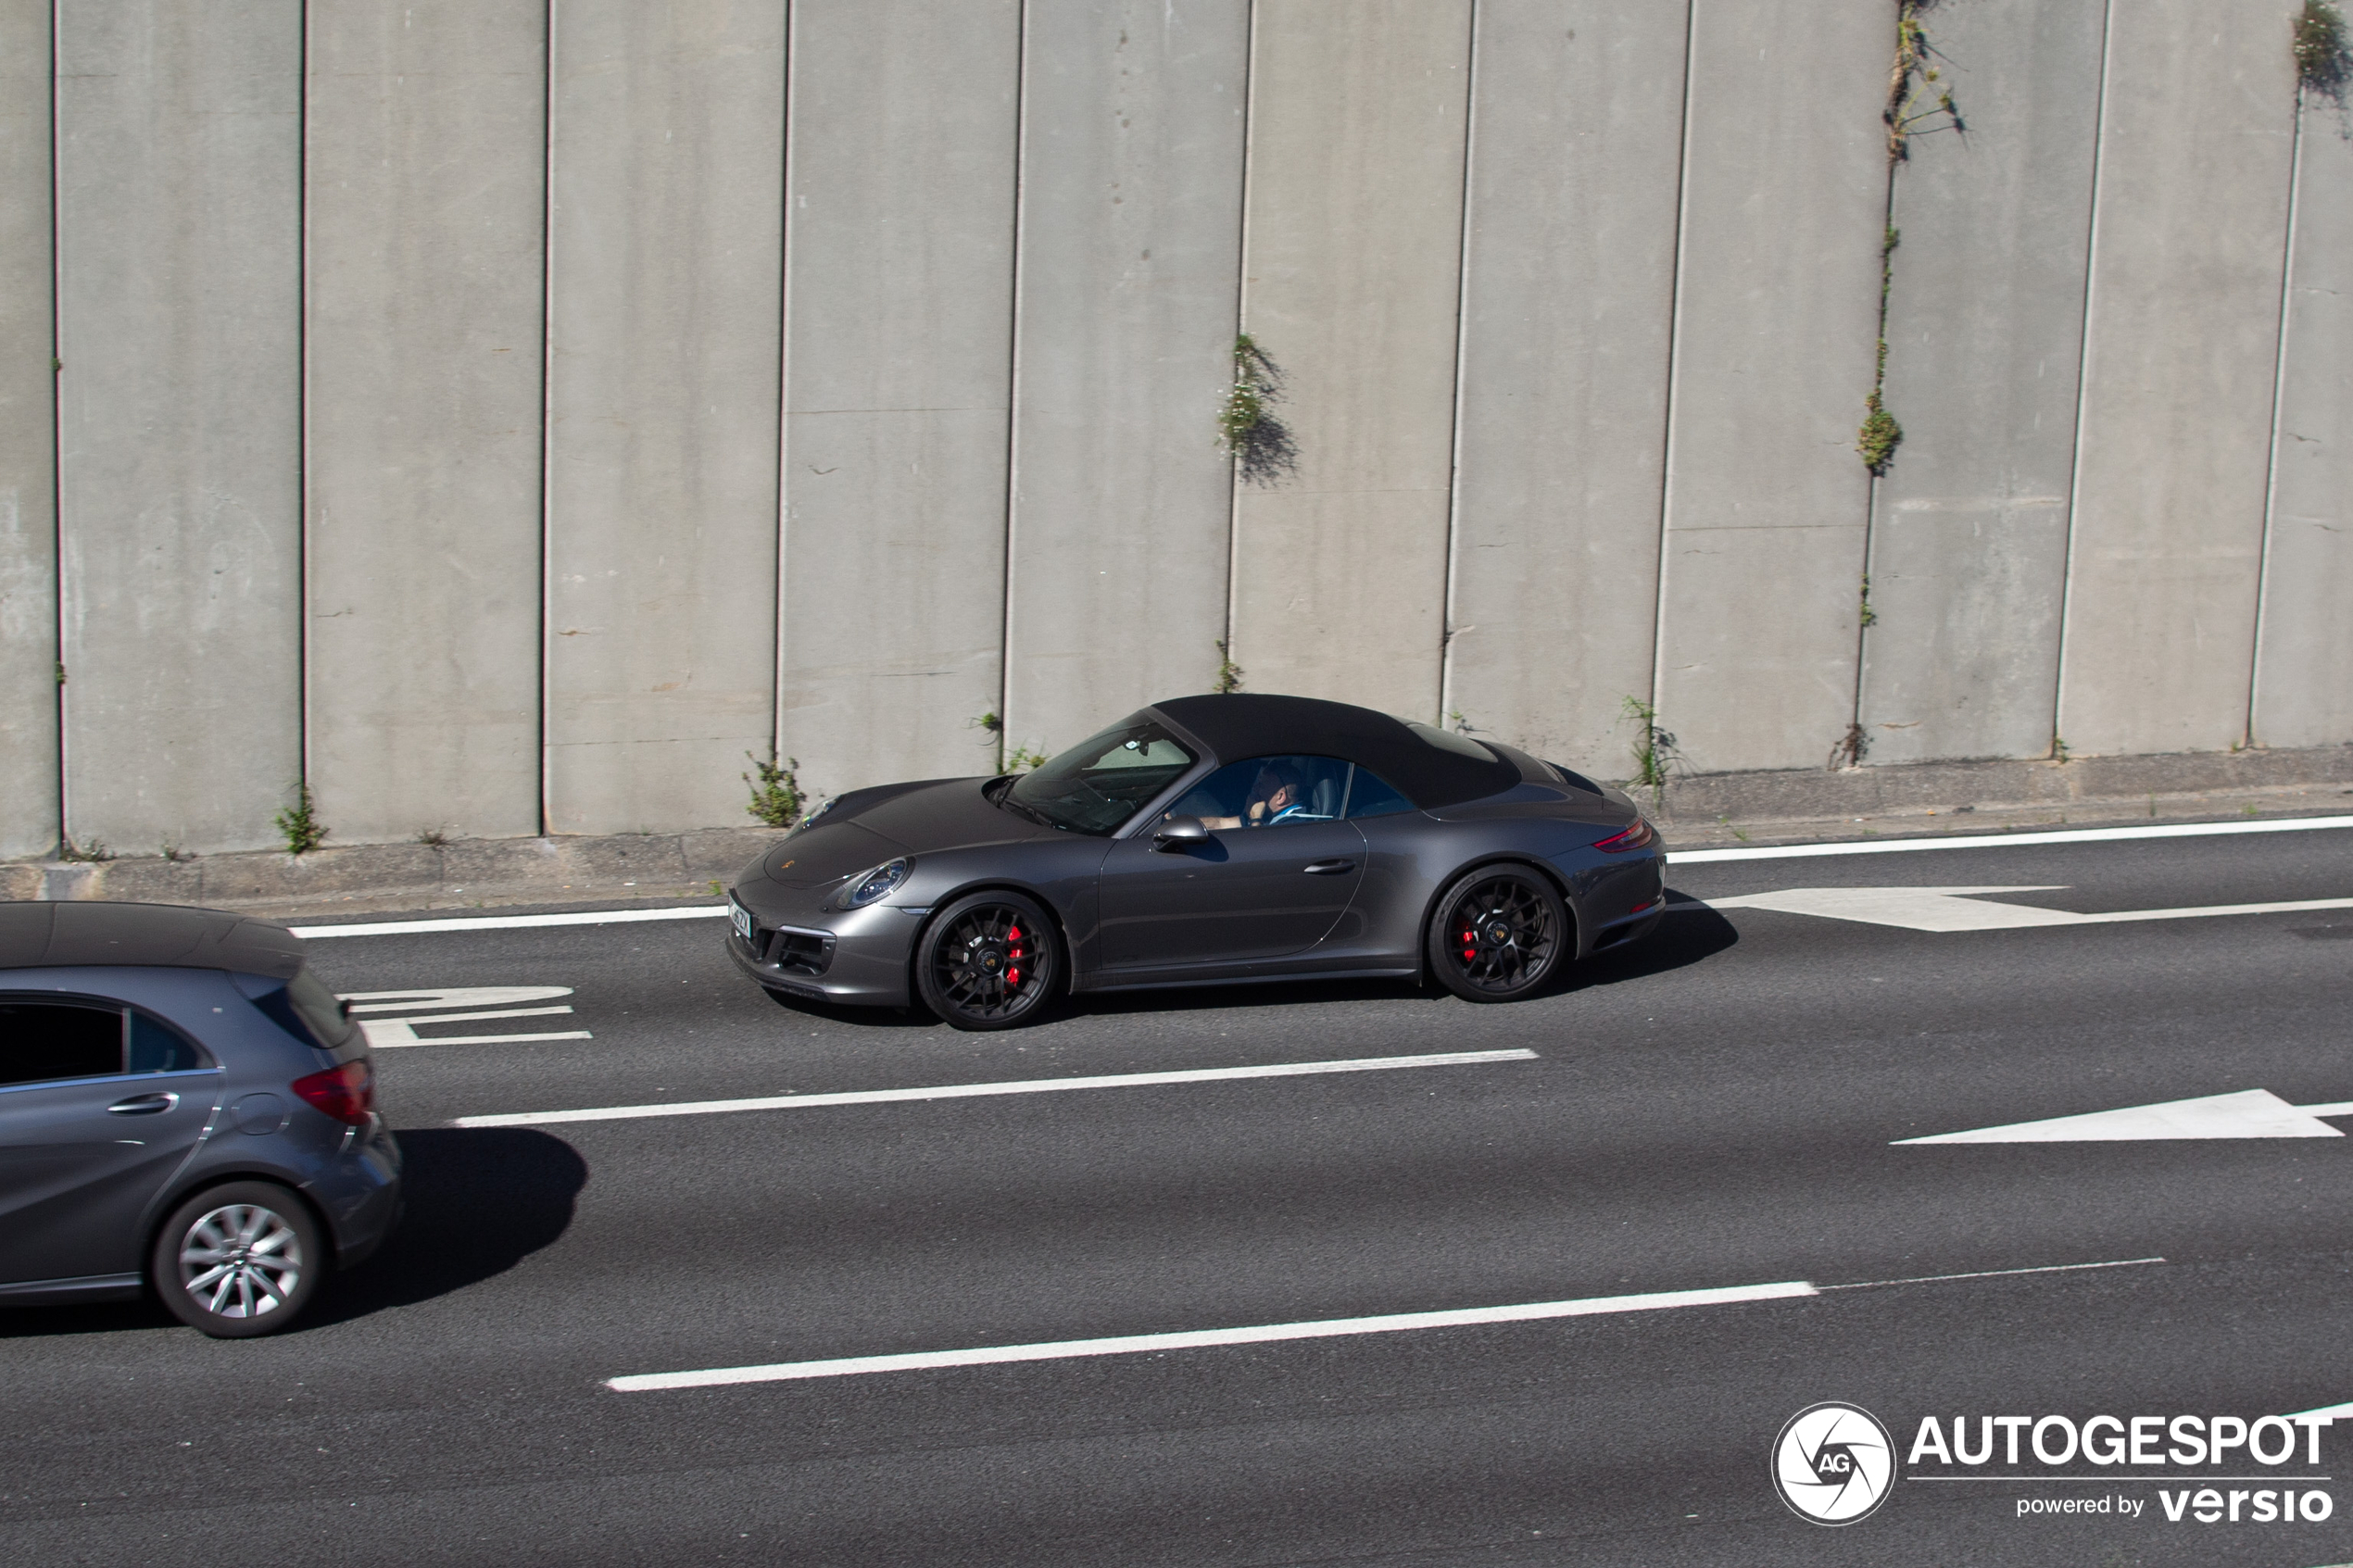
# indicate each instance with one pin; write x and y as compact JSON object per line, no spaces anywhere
{"x":878,"y":883}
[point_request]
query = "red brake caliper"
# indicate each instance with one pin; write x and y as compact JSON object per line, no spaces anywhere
{"x":1013,"y":970}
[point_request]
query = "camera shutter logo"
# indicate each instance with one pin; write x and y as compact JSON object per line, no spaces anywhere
{"x":1833,"y":1463}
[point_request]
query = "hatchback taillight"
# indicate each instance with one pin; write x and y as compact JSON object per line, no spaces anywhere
{"x":1639,"y":836}
{"x":346,"y":1093}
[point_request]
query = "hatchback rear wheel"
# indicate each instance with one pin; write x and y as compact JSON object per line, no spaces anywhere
{"x":988,"y":961}
{"x":1498,"y":934}
{"x":238,"y":1260}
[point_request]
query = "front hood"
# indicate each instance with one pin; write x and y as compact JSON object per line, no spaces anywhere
{"x":910,"y":820}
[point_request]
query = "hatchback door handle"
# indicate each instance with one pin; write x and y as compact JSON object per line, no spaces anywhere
{"x":144,"y":1104}
{"x":1329,"y":868}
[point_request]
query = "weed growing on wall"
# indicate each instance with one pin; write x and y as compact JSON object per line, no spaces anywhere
{"x":1229,"y":674}
{"x":1655,"y":754}
{"x":89,"y":849}
{"x":1880,"y":434}
{"x":1870,"y":616}
{"x":1021,"y":759}
{"x":775,"y":793}
{"x":1916,"y":103}
{"x":1261,"y":444}
{"x":2323,"y":63}
{"x":299,"y":823}
{"x":1850,"y":749}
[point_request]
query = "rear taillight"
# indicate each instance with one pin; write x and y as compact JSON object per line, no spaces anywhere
{"x":1638,"y":836}
{"x":346,"y":1093}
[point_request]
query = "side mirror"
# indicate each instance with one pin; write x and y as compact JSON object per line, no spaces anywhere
{"x":1176,"y":833}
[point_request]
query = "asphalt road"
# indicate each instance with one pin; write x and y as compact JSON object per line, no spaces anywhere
{"x":1718,"y":1108}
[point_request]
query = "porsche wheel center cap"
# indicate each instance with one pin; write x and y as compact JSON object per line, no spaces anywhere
{"x":1499,"y":933}
{"x":991,"y":960}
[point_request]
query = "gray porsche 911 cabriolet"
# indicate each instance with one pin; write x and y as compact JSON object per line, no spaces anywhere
{"x":1203,"y":840}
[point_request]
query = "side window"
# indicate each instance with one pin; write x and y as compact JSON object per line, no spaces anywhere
{"x":40,"y":1041}
{"x":159,"y":1047}
{"x":1368,"y":796}
{"x":1268,"y":792}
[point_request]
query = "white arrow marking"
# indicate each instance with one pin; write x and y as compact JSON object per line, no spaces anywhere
{"x":387,"y":1034}
{"x":2251,"y":1113}
{"x":1960,"y":908}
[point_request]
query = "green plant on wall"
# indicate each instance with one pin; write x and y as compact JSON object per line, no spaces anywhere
{"x":1655,"y":754}
{"x":1916,"y":104}
{"x":1229,"y":674}
{"x":299,"y":823}
{"x":1880,"y":434}
{"x":2323,"y":63}
{"x":775,"y":794}
{"x":1261,"y":444}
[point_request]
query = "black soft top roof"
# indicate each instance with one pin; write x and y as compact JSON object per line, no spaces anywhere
{"x":1242,"y":724}
{"x":43,"y":935}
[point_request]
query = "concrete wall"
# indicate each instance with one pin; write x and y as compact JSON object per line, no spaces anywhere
{"x":2304,"y":662}
{"x":665,"y":151}
{"x":1784,"y":195}
{"x":1568,"y":301}
{"x":1985,"y":333}
{"x":1351,"y":280}
{"x":178,"y":169}
{"x":512,"y":421}
{"x":28,"y":442}
{"x":2188,"y":249}
{"x":1131,"y":196}
{"x":427,"y":205}
{"x":899,"y":381}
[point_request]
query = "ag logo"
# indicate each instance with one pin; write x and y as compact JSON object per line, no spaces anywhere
{"x":1833,"y":1463}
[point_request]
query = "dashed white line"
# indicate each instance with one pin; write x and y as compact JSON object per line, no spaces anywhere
{"x":508,"y":922}
{"x":2005,"y":840}
{"x":968,"y":1091}
{"x":1130,"y":1344}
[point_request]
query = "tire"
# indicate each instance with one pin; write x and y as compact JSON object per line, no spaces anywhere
{"x":988,"y":961}
{"x":1498,"y":934}
{"x":238,"y":1260}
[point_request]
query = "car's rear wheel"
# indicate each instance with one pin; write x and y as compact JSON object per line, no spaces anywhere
{"x":1498,"y":934}
{"x":988,"y":961}
{"x":239,"y":1260}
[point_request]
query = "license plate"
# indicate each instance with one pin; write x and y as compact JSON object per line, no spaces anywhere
{"x":741,"y":917}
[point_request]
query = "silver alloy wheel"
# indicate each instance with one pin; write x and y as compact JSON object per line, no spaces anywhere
{"x":240,"y":1260}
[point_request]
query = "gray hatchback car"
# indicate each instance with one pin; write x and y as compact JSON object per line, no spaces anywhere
{"x":184,"y":1108}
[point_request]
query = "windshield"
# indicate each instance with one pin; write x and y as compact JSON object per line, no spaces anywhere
{"x":1101,"y":783}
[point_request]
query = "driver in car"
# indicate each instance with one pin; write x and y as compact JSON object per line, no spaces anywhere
{"x":1274,"y":796}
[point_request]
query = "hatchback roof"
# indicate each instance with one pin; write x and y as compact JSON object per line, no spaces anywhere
{"x":42,"y":935}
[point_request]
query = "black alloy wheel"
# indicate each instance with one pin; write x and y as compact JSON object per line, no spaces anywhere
{"x":988,"y":961}
{"x":1498,"y":934}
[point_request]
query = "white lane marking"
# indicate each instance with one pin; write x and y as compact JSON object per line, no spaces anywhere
{"x":1960,"y":909}
{"x":2326,"y":1413}
{"x":452,"y":997}
{"x":966,"y":1091}
{"x":392,"y":1034}
{"x":1131,"y":1344}
{"x":2249,"y":1113}
{"x":1994,"y":1273}
{"x":508,"y":922}
{"x":2005,"y":840}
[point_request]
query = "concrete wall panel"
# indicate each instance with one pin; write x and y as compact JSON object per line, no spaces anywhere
{"x":179,"y":323}
{"x":665,"y":234}
{"x":427,"y":218}
{"x":1131,"y":276}
{"x":28,"y":441}
{"x":1984,"y":332}
{"x":1785,"y":197}
{"x":1351,"y":282}
{"x":2180,"y":367}
{"x":2304,"y":672}
{"x":1568,"y":311}
{"x":898,"y":376}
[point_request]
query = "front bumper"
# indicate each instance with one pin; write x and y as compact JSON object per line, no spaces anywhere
{"x":857,"y":956}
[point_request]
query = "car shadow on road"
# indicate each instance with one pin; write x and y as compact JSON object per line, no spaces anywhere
{"x":1691,"y":933}
{"x":478,"y":1201}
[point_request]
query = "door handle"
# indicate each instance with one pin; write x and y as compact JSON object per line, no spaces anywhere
{"x":1329,"y":868}
{"x":144,"y":1104}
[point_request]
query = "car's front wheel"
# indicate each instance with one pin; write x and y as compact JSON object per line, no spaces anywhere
{"x":988,"y":961}
{"x":1499,"y":933}
{"x":239,"y":1260}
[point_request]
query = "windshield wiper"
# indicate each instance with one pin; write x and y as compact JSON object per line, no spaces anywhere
{"x":1007,"y":801}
